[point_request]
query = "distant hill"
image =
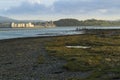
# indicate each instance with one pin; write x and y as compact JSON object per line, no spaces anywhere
{"x":67,"y":22}
{"x":5,"y":22}
{"x":89,"y":22}
{"x":6,"y":19}
{"x":34,"y":21}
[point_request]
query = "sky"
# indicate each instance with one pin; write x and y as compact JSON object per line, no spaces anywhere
{"x":57,"y":9}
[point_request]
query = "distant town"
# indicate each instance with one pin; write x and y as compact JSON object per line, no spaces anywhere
{"x":22,"y":25}
{"x":32,"y":25}
{"x":6,"y":22}
{"x":27,"y":25}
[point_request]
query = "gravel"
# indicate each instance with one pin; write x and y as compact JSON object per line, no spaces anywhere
{"x":24,"y":66}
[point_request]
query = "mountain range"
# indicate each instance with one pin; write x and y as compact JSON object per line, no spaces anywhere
{"x":65,"y":22}
{"x":7,"y":19}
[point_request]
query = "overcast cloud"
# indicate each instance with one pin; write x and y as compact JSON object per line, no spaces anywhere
{"x":77,"y":8}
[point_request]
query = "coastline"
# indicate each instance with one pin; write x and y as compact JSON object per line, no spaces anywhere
{"x":37,"y":37}
{"x":24,"y":57}
{"x":86,"y":31}
{"x":28,"y":58}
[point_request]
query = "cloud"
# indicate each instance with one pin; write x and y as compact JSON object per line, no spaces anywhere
{"x":34,"y":1}
{"x":66,"y":7}
{"x":5,"y":4}
{"x":44,"y":2}
{"x":87,"y":6}
{"x":102,"y":10}
{"x":31,"y":7}
{"x":27,"y":8}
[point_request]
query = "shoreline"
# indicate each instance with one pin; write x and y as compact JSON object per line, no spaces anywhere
{"x":34,"y":58}
{"x":87,"y":31}
{"x":37,"y":37}
{"x":29,"y":56}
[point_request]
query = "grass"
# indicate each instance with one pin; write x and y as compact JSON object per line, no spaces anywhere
{"x":101,"y":59}
{"x":41,"y":59}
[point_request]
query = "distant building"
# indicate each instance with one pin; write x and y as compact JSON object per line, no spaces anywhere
{"x":49,"y":24}
{"x":22,"y":25}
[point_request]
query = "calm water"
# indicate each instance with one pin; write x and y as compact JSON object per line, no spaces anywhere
{"x":7,"y":33}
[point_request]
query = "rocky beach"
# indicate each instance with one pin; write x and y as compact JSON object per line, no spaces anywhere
{"x":32,"y":58}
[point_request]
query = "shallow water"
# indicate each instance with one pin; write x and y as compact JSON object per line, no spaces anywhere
{"x":8,"y":33}
{"x":82,"y":47}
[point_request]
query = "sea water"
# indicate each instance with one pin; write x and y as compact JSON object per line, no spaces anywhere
{"x":8,"y":33}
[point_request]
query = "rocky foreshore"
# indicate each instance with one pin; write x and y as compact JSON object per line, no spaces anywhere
{"x":27,"y":59}
{"x":19,"y":61}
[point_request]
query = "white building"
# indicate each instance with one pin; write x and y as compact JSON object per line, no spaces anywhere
{"x":22,"y":25}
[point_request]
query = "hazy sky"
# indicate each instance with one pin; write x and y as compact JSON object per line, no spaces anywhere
{"x":56,"y":9}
